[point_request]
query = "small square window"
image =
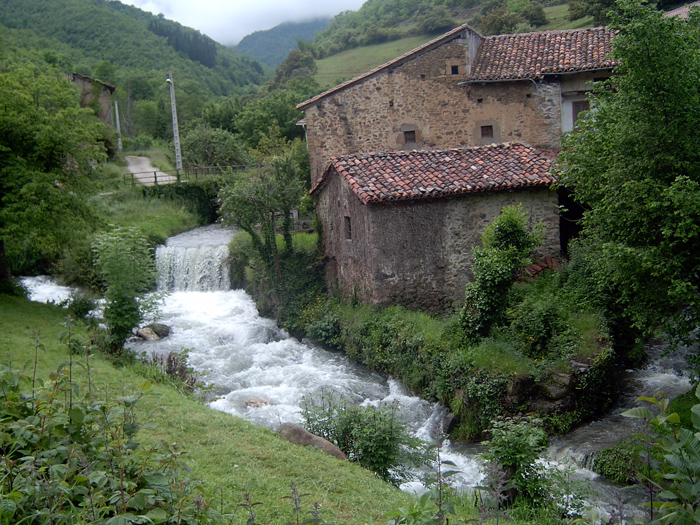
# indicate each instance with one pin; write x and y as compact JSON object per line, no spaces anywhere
{"x":409,"y":137}
{"x":486,"y":132}
{"x":348,"y":229}
{"x":454,"y":70}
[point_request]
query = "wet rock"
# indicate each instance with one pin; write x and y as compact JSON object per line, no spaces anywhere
{"x":147,"y":334}
{"x":298,"y":435}
{"x":160,"y":329}
{"x":256,"y":402}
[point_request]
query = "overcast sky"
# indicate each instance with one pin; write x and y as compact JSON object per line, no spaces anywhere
{"x":227,"y":21}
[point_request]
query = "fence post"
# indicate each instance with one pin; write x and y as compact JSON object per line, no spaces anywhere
{"x":177,"y":172}
{"x":155,"y":178}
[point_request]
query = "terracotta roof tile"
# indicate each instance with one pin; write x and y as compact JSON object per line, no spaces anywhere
{"x":532,"y":55}
{"x":411,"y":175}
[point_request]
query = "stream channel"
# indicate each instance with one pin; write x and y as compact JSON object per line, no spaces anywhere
{"x":261,"y":374}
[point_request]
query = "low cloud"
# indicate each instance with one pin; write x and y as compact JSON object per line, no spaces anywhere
{"x":228,"y":21}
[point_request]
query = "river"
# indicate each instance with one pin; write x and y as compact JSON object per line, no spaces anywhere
{"x":261,"y":374}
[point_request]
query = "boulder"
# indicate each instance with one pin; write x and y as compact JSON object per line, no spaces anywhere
{"x":160,"y":329}
{"x":256,"y":402}
{"x":300,"y":436}
{"x":147,"y":333}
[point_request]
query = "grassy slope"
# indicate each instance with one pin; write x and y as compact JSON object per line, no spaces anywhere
{"x":349,"y":64}
{"x":223,"y":451}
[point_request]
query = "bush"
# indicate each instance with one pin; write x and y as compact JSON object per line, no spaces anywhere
{"x":372,"y":436}
{"x":79,"y":462}
{"x":125,"y":264}
{"x":515,"y":446}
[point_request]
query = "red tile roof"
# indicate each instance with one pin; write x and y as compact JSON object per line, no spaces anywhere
{"x":413,"y":175}
{"x":532,"y":55}
{"x":513,"y":57}
{"x":683,"y":11}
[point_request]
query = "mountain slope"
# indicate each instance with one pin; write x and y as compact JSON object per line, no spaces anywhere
{"x":272,"y":46}
{"x":93,"y":31}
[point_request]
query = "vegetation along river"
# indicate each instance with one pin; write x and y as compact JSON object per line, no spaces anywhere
{"x":260,"y":373}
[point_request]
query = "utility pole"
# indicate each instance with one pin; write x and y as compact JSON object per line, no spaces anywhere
{"x":119,"y":130}
{"x":176,"y":133}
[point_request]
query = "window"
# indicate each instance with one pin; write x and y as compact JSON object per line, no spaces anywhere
{"x":409,"y":137}
{"x":578,"y":107}
{"x":454,"y":70}
{"x":348,"y":229}
{"x":486,"y":132}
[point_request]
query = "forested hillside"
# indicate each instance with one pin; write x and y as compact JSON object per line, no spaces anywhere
{"x":272,"y":46}
{"x":134,"y":51}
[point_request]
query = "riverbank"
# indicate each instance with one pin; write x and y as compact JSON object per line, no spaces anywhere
{"x":229,"y":455}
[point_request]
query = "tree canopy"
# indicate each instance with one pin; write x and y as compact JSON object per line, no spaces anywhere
{"x":48,"y":147}
{"x":635,"y":163}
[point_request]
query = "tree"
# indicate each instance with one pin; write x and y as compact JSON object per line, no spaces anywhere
{"x":205,"y":146}
{"x":48,"y":145}
{"x":256,"y":197}
{"x":635,"y":163}
{"x":126,"y":266}
{"x":500,"y":20}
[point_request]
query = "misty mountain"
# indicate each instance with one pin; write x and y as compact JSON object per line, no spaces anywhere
{"x":272,"y":46}
{"x":114,"y":41}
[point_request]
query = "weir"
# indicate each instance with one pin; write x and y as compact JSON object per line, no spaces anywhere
{"x":195,"y":260}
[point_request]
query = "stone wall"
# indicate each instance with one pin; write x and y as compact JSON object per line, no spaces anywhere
{"x":425,"y":104}
{"x":417,"y":253}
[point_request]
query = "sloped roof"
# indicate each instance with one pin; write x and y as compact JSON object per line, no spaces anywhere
{"x":454,"y":33}
{"x":532,"y":55}
{"x":683,"y":11}
{"x":515,"y":57}
{"x":414,"y":175}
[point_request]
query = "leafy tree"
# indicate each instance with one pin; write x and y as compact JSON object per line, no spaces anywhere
{"x":598,"y":9}
{"x":499,"y":20}
{"x":256,"y":197}
{"x":48,"y":145}
{"x":205,"y":146}
{"x":534,"y":14}
{"x":126,"y":266}
{"x":635,"y":163}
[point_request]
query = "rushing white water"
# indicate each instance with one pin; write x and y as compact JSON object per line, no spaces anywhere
{"x":194,"y":260}
{"x":261,"y":374}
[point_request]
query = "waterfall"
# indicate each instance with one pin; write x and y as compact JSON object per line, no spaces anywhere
{"x":195,"y":260}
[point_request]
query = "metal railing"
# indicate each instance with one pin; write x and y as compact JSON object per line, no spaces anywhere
{"x":154,"y":178}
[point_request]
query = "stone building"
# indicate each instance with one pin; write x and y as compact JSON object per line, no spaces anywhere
{"x":399,"y":227}
{"x":461,"y":89}
{"x":95,"y":94}
{"x":411,"y":242}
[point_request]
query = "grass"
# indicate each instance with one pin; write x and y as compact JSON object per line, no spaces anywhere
{"x":558,"y":19}
{"x":349,"y":64}
{"x":158,"y":219}
{"x":231,"y":456}
{"x":353,"y":62}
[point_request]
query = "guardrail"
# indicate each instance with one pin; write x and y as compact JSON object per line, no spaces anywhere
{"x":153,"y":178}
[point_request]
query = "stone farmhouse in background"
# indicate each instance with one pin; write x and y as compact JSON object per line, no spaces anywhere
{"x":95,"y":93}
{"x":471,"y":124}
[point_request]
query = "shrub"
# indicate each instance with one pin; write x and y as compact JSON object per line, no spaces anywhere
{"x":125,"y":263}
{"x":507,"y":243}
{"x":372,"y":436}
{"x":515,"y":446}
{"x":79,"y":462}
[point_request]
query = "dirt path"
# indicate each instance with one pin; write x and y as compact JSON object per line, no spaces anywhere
{"x":144,"y":173}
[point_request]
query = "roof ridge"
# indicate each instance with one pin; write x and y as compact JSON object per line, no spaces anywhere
{"x":396,"y":60}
